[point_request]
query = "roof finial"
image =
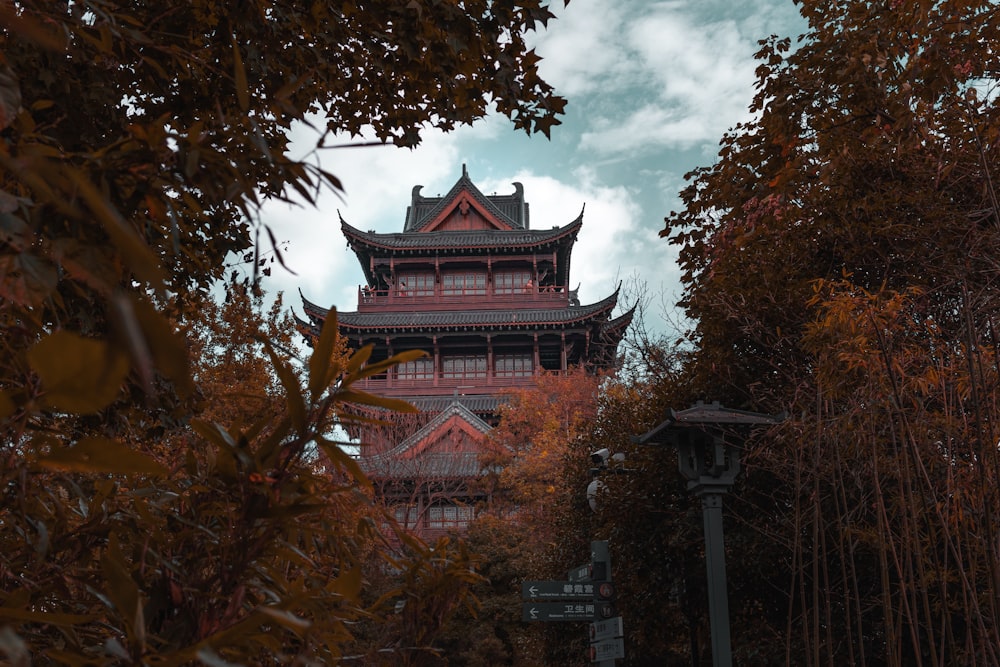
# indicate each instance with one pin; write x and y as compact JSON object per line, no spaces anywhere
{"x":465,"y":172}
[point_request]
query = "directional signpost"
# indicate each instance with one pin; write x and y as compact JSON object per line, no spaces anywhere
{"x":557,"y":611}
{"x":557,"y":590}
{"x":588,"y":595}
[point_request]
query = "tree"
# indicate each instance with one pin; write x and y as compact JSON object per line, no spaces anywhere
{"x":229,"y":544}
{"x":838,"y":263}
{"x":229,"y":362}
{"x":137,"y":142}
{"x":869,"y":144}
{"x":528,"y":526}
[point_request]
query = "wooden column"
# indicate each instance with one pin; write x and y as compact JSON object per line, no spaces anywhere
{"x":538,"y":359}
{"x":389,"y":372}
{"x":437,"y":360}
{"x":562,"y":351}
{"x":489,"y":360}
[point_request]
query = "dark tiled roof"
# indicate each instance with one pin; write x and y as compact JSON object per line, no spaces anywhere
{"x":426,"y":467}
{"x":454,"y":409}
{"x":396,"y":463}
{"x":615,"y":329}
{"x":461,"y":239}
{"x":472,"y":319}
{"x":478,"y":403}
{"x":512,"y":209}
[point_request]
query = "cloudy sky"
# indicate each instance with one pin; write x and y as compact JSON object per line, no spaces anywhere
{"x":652,"y":86}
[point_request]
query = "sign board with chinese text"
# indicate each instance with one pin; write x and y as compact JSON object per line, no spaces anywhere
{"x":557,"y":611}
{"x":557,"y":590}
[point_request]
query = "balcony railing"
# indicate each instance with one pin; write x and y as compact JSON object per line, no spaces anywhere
{"x":412,"y":300}
{"x":440,"y":386}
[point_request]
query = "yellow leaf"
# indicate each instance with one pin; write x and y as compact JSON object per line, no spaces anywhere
{"x":101,"y":455}
{"x":168,"y":348}
{"x":294,"y":399}
{"x":43,"y":617}
{"x":344,"y":461}
{"x":78,"y":374}
{"x":359,"y":358}
{"x":121,"y":588}
{"x":381,"y":366}
{"x":348,"y":584}
{"x":364,"y":398}
{"x":286,"y":618}
{"x":319,"y":362}
{"x":240,"y":77}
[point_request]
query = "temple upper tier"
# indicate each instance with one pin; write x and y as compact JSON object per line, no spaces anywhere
{"x":484,"y":295}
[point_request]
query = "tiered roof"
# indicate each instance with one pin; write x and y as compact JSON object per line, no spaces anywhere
{"x":508,"y":319}
{"x":370,"y":245}
{"x":463,"y":240}
{"x":422,"y":456}
{"x":423,"y":212}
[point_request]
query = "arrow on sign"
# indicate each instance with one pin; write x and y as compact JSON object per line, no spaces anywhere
{"x":557,"y":590}
{"x":557,"y":611}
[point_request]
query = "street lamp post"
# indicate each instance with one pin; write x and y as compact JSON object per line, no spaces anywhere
{"x":707,"y":439}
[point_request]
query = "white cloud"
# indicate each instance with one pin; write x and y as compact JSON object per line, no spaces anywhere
{"x":584,"y":49}
{"x":603,"y":253}
{"x":377,"y":182}
{"x":658,"y":75}
{"x":699,"y":82}
{"x":651,"y":126}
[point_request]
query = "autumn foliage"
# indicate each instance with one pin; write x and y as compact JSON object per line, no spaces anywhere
{"x":838,"y":264}
{"x":529,"y":524}
{"x":159,"y":508}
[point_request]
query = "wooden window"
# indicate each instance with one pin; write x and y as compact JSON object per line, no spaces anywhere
{"x":510,"y":282}
{"x":415,"y":284}
{"x":465,"y":366}
{"x":406,"y":515}
{"x":458,"y":284}
{"x":418,"y":369}
{"x":514,"y":365}
{"x":449,"y":516}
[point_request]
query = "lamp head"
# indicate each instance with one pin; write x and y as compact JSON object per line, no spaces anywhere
{"x":601,"y":456}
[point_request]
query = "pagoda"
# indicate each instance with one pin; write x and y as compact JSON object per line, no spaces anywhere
{"x":488,"y":299}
